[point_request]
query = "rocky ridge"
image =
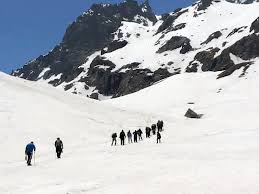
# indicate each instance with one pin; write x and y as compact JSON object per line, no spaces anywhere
{"x":116,"y":49}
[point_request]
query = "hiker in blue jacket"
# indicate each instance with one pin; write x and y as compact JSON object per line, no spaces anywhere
{"x":30,"y":148}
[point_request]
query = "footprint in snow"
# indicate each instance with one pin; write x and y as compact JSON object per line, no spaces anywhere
{"x":83,"y":188}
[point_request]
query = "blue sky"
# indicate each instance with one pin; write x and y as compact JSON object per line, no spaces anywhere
{"x":30,"y":28}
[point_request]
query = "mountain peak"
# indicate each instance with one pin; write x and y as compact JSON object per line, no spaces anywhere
{"x":113,"y":49}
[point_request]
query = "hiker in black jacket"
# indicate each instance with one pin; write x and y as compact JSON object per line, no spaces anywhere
{"x":148,"y":132}
{"x":114,"y":138}
{"x":59,"y":147}
{"x":153,"y":127}
{"x":160,"y":125}
{"x":122,"y":137}
{"x":140,"y":134}
{"x":135,"y":136}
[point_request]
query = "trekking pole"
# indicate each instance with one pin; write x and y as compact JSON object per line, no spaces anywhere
{"x":34,"y":158}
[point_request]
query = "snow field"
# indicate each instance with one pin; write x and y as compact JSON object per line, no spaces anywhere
{"x":217,"y":154}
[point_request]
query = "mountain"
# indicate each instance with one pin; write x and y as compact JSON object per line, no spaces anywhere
{"x":114,"y":50}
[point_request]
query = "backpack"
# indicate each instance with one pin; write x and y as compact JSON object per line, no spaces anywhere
{"x":58,"y":143}
{"x":114,"y":135}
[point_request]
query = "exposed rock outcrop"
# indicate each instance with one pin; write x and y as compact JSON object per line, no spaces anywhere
{"x":177,"y":42}
{"x":123,"y":81}
{"x":113,"y":46}
{"x":255,"y":26}
{"x":204,"y":4}
{"x":170,"y":19}
{"x":247,"y":49}
{"x":214,"y":35}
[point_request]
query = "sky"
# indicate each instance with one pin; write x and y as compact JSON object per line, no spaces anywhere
{"x":33,"y":27}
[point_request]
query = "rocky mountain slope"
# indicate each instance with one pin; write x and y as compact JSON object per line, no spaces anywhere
{"x":114,"y":50}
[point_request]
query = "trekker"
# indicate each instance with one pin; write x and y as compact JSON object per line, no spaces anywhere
{"x":59,"y":147}
{"x":158,"y":139}
{"x":114,"y":138}
{"x":140,"y":134}
{"x":153,"y":127}
{"x":30,"y":148}
{"x":135,"y":136}
{"x":147,"y":136}
{"x":148,"y":131}
{"x":129,"y":134}
{"x":160,"y":125}
{"x":122,"y":137}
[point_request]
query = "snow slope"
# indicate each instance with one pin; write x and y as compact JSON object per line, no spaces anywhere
{"x":217,"y":154}
{"x":31,"y":111}
{"x":222,"y":16}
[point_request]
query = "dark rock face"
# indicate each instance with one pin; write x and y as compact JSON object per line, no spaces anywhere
{"x":214,"y":35}
{"x":113,"y":46}
{"x":192,"y":68}
{"x":192,"y":115}
{"x":255,"y":26}
{"x":148,"y":12}
{"x":165,"y":16}
{"x":237,"y":30}
{"x":94,"y":96}
{"x":177,"y":42}
{"x":247,"y":48}
{"x":98,"y":30}
{"x":178,"y":27}
{"x":91,"y":32}
{"x":118,"y":83}
{"x":205,"y":58}
{"x":169,"y":20}
{"x":204,"y":4}
{"x":233,"y":68}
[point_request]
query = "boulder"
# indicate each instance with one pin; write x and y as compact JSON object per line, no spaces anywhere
{"x":94,"y":96}
{"x":193,"y":115}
